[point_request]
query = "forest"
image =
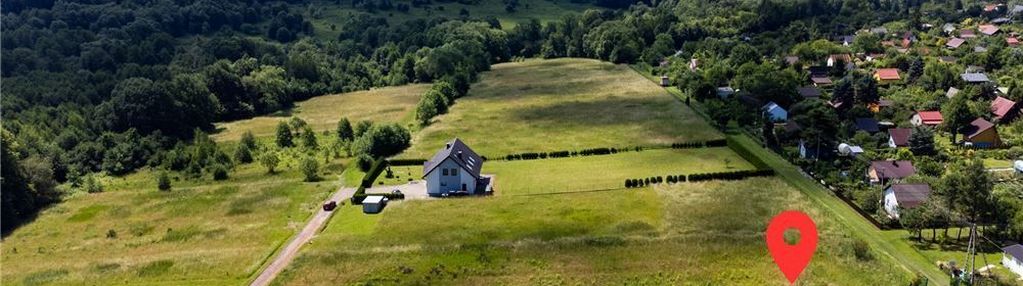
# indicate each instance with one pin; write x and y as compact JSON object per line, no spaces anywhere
{"x":96,"y":86}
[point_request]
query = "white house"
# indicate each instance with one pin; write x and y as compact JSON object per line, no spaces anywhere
{"x":1012,"y":258}
{"x":455,"y":170}
{"x":373,"y":204}
{"x":904,"y":196}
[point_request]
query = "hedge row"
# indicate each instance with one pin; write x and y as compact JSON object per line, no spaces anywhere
{"x":564,"y":154}
{"x":672,"y":179}
{"x":406,"y":162}
{"x":638,"y":183}
{"x":747,"y":154}
{"x":374,"y":171}
{"x":733,"y":175}
{"x":700,"y":144}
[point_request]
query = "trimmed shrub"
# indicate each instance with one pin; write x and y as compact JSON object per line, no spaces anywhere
{"x":405,"y":162}
{"x":163,"y":182}
{"x":219,"y":173}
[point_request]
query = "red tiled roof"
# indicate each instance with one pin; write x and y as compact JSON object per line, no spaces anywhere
{"x":1012,"y":41}
{"x":988,"y":29}
{"x":1001,"y":107}
{"x":955,"y":43}
{"x":888,"y":74}
{"x":930,"y":117}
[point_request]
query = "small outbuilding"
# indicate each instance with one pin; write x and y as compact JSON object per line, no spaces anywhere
{"x":887,"y":75}
{"x":373,"y":204}
{"x":867,"y":124}
{"x":975,"y":78}
{"x":926,"y":118}
{"x":884,"y":172}
{"x":955,"y":43}
{"x":899,"y":137}
{"x":665,"y":81}
{"x":982,"y":134}
{"x":775,"y":113}
{"x":1012,"y":258}
{"x":1004,"y":109}
{"x":809,"y":92}
{"x":904,"y":196}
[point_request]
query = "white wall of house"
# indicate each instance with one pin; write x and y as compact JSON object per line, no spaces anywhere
{"x":1016,"y":266}
{"x":438,"y":183}
{"x":891,"y":205}
{"x":916,"y":120}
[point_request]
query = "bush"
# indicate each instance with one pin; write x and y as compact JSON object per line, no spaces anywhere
{"x":862,"y":251}
{"x":243,"y":154}
{"x":310,"y":169}
{"x":111,"y":234}
{"x":219,"y":172}
{"x":91,"y":185}
{"x":163,"y":182}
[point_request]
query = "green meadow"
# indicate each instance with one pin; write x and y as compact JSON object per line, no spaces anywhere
{"x":691,"y":233}
{"x":202,"y":232}
{"x":562,"y":104}
{"x":384,"y":105}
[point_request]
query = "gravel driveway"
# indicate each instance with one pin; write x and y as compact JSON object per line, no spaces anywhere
{"x":414,"y":190}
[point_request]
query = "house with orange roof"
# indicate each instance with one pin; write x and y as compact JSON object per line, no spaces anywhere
{"x":887,"y":75}
{"x":926,"y":118}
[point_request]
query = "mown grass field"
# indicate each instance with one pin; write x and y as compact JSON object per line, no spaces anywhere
{"x":386,"y":104}
{"x":692,"y":233}
{"x":561,"y":104}
{"x":202,"y":232}
{"x":323,"y":14}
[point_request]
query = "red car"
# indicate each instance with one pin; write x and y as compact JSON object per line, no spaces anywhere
{"x":330,"y":206}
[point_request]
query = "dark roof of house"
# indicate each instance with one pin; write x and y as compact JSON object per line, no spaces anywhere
{"x":1015,"y":251}
{"x":821,"y":80}
{"x":893,"y":169}
{"x":458,"y":152}
{"x":819,"y":71}
{"x":911,"y":195}
{"x":900,"y":136}
{"x":867,"y":124}
{"x":977,"y":127}
{"x":809,"y":92}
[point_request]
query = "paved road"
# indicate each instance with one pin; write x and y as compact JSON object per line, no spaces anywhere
{"x":291,"y":250}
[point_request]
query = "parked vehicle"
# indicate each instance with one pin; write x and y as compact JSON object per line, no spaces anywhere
{"x":330,"y":206}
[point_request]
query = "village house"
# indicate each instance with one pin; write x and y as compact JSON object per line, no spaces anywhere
{"x":885,"y":172}
{"x":954,"y":43}
{"x":899,"y":137}
{"x":809,"y":92}
{"x":967,"y":33}
{"x":926,"y":118}
{"x":1012,"y":258}
{"x":1003,"y":109}
{"x":775,"y":113}
{"x":725,"y":92}
{"x":975,"y":77}
{"x":887,"y":75}
{"x":952,"y":92}
{"x":948,"y":28}
{"x":982,"y":134}
{"x":904,"y":196}
{"x":867,"y":124}
{"x":1012,"y":41}
{"x":988,"y":29}
{"x":839,"y":59}
{"x":455,"y":170}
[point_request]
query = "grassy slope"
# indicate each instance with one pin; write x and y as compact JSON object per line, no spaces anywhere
{"x":201,"y":232}
{"x":387,"y":104}
{"x":563,"y":104}
{"x":542,"y":10}
{"x":704,"y":233}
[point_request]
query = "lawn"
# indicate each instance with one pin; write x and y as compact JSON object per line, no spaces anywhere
{"x":694,"y":233}
{"x":323,"y":14}
{"x":200,"y":232}
{"x":386,"y":104}
{"x":562,"y":104}
{"x":607,"y":172}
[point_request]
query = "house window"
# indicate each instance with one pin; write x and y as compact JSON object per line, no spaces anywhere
{"x":444,"y":171}
{"x":454,"y":172}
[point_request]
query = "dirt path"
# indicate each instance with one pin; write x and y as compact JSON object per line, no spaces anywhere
{"x":290,"y":250}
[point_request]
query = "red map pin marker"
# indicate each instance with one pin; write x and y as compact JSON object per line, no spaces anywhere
{"x":792,"y":259}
